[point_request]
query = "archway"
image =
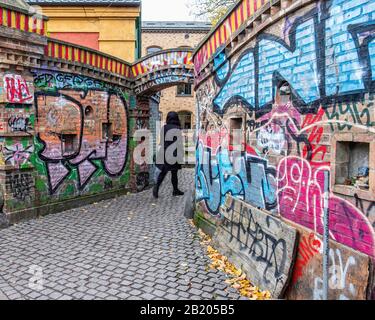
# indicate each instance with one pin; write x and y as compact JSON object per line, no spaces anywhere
{"x":163,"y":69}
{"x":158,"y":71}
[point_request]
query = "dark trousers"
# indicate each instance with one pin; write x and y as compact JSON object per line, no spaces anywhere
{"x":162,"y":175}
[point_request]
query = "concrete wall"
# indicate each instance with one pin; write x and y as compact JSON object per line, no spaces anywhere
{"x":289,"y":161}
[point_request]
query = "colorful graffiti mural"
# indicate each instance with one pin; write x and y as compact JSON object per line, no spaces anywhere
{"x":295,"y":88}
{"x":317,"y":36}
{"x":82,"y":125}
{"x":163,"y":69}
{"x":226,"y":29}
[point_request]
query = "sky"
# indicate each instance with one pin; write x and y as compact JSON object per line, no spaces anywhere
{"x":167,"y":10}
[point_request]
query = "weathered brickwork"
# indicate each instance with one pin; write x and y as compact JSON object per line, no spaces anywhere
{"x":81,"y":135}
{"x":301,"y":89}
{"x":63,"y":135}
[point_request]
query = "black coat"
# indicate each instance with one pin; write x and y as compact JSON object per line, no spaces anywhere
{"x":171,"y":136}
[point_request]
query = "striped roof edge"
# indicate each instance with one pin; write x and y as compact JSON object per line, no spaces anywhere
{"x":117,"y":3}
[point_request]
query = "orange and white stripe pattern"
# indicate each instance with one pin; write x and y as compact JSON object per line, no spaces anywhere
{"x":226,"y":29}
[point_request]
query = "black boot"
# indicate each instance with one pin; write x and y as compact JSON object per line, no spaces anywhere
{"x":155,"y":191}
{"x":178,"y":193}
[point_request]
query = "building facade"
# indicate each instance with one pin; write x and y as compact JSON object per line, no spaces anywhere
{"x":159,"y":35}
{"x":112,"y":27}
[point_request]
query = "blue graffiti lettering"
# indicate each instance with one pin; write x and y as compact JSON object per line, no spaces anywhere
{"x":248,"y":178}
{"x":331,"y":53}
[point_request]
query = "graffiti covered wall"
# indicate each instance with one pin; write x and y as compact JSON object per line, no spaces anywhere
{"x":301,"y":95}
{"x":81,"y":136}
{"x":70,"y":116}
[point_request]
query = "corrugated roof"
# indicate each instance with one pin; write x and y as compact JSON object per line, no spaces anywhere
{"x":86,"y":2}
{"x":176,"y":25}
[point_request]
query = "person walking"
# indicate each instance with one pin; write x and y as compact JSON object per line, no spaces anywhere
{"x":171,"y":154}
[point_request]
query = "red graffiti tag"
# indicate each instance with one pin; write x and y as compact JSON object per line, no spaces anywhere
{"x":315,"y":136}
{"x":17,"y":89}
{"x":302,"y":199}
{"x":308,"y":248}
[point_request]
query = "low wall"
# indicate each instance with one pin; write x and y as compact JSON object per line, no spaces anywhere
{"x":296,"y":79}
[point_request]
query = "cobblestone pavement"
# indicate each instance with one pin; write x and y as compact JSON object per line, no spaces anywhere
{"x":131,"y":247}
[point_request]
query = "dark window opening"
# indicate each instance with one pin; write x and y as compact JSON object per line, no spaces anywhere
{"x":116,"y":138}
{"x":184,"y":90}
{"x":352,"y":164}
{"x":68,"y":143}
{"x":235,"y":132}
{"x":89,"y":111}
{"x":107,"y":131}
{"x":185,"y":120}
{"x":283,"y":95}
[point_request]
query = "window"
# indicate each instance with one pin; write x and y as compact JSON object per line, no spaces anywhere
{"x":283,"y":95}
{"x":68,"y":144}
{"x":236,"y":133}
{"x":153,"y":49}
{"x":116,"y":138}
{"x":352,"y":164}
{"x":89,"y":112}
{"x":107,"y":131}
{"x":185,"y":119}
{"x":184,"y":90}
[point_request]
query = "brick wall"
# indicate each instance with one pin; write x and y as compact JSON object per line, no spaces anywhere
{"x":64,"y":131}
{"x":296,"y":89}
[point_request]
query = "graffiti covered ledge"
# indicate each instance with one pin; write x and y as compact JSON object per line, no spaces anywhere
{"x":296,"y":78}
